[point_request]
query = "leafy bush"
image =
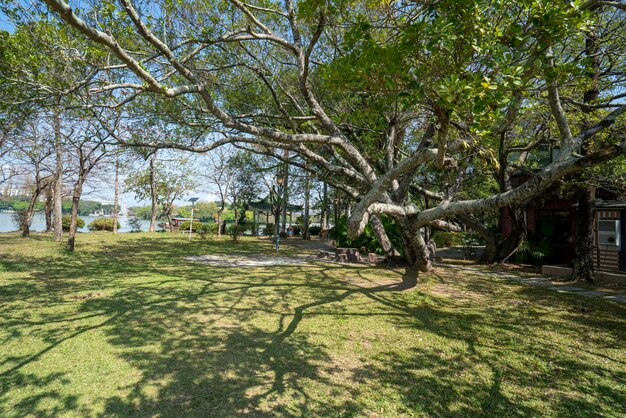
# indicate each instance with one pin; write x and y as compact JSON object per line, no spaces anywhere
{"x":66,"y":220}
{"x":534,"y":252}
{"x":367,"y":240}
{"x":235,"y":231}
{"x":315,"y":230}
{"x":102,"y":224}
{"x":195,"y":227}
{"x":205,"y":230}
{"x":470,"y":241}
{"x":448,"y":239}
{"x":457,"y":239}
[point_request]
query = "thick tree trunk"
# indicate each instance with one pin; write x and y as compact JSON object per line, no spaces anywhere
{"x":58,"y":181}
{"x":153,"y":195}
{"x":78,"y":190}
{"x":416,"y":252}
{"x":583,"y":258}
{"x":583,"y":254}
{"x":116,"y":195}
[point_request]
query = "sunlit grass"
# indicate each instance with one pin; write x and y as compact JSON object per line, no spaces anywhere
{"x":126,"y":326}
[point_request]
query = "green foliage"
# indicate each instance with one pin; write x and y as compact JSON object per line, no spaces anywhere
{"x":235,"y":231}
{"x":447,"y":239}
{"x":142,"y":212}
{"x":315,"y":230}
{"x":66,"y":220}
{"x":367,"y":240}
{"x":206,"y":212}
{"x":534,"y":252}
{"x":85,"y":207}
{"x":466,"y":240}
{"x":102,"y":224}
{"x":173,"y":180}
{"x":17,"y":203}
{"x":195,"y":226}
{"x":207,"y":230}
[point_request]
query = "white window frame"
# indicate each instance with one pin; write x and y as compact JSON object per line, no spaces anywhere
{"x":608,"y":234}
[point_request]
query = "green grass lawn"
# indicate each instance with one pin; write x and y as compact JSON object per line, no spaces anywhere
{"x":126,"y":327}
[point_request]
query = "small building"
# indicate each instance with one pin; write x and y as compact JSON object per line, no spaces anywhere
{"x":552,"y":221}
{"x":609,"y":236}
{"x":264,"y":207}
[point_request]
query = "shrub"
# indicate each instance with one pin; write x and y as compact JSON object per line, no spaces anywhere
{"x":297,"y":230}
{"x":470,"y":240}
{"x":205,"y":230}
{"x":534,"y":252}
{"x":102,"y":224}
{"x":235,"y":231}
{"x":367,"y":240}
{"x":457,"y":239}
{"x":315,"y":230}
{"x":66,"y":220}
{"x":447,"y":239}
{"x":195,"y":227}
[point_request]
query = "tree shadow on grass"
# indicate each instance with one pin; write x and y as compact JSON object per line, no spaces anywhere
{"x":224,"y":342}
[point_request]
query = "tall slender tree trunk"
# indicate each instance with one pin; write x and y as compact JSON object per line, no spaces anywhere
{"x":324,"y":214}
{"x":116,"y":195}
{"x":219,"y":220}
{"x":153,"y":194}
{"x":307,"y":201}
{"x":48,"y":207}
{"x":285,"y":200}
{"x":58,"y":181}
{"x":76,"y":194}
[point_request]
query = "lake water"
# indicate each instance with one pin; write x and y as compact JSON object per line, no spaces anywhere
{"x":39,"y":223}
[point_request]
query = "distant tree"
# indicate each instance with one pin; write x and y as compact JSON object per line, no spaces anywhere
{"x":246,"y":184}
{"x":220,"y":172}
{"x":31,"y":154}
{"x":172,"y":180}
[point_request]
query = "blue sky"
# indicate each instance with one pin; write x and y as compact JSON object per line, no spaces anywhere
{"x":5,"y":24}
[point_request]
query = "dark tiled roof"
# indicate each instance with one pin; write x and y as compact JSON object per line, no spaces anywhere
{"x":265,"y":204}
{"x":611,"y":204}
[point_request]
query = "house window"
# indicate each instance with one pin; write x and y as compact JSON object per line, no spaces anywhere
{"x":608,"y":232}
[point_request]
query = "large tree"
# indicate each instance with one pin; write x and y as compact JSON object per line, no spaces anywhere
{"x":372,"y":95}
